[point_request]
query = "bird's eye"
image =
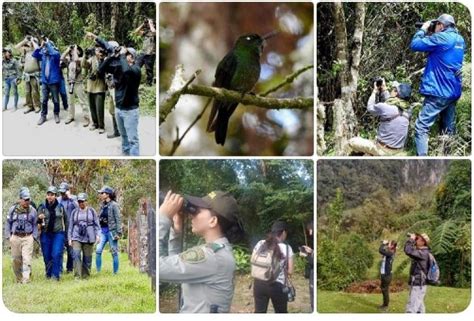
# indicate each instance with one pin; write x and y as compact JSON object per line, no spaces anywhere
{"x":248,"y":38}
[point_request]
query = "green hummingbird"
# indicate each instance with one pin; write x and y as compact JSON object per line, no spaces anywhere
{"x":239,"y":70}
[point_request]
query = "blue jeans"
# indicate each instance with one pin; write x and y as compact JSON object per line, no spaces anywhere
{"x":10,"y":83}
{"x":52,"y":246}
{"x":127,"y":121}
{"x":432,"y":107}
{"x":54,"y":90}
{"x":104,"y":238}
{"x":63,"y":93}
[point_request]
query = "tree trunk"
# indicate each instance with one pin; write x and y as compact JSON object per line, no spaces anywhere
{"x":345,"y":120}
{"x":321,"y":120}
{"x":114,"y":19}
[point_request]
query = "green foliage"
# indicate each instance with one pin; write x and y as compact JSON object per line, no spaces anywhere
{"x":242,"y":259}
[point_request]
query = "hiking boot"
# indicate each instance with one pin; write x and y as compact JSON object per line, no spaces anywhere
{"x":29,"y":110}
{"x":70,"y":120}
{"x":93,"y":127}
{"x":41,"y":120}
{"x":101,"y":130}
{"x":56,"y":119}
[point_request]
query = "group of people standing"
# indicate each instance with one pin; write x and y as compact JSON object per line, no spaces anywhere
{"x":91,"y":74}
{"x":63,"y":222}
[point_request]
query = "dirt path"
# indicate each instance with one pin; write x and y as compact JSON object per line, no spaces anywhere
{"x":23,"y":137}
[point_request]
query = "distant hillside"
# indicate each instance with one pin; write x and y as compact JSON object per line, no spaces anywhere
{"x":360,"y":178}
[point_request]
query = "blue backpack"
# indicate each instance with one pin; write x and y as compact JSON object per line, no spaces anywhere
{"x":432,"y":277}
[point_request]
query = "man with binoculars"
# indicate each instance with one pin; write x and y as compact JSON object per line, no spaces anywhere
{"x":441,"y":81}
{"x":205,"y":271}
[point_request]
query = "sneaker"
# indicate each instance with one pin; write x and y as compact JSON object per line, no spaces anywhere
{"x":101,"y":130}
{"x":70,"y":120}
{"x":29,"y":110}
{"x":41,"y":121}
{"x":37,"y":110}
{"x":93,"y":127}
{"x":56,"y":119}
{"x":86,"y":123}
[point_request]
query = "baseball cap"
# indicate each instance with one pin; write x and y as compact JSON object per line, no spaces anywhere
{"x":132,"y":51}
{"x":106,"y":189}
{"x":82,"y":197}
{"x":63,"y":187}
{"x":446,"y":19}
{"x":279,"y":226}
{"x":52,"y":189}
{"x":220,"y":202}
{"x":25,"y":193}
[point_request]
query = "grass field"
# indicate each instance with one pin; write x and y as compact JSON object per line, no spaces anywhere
{"x":437,"y":300}
{"x":127,"y":292}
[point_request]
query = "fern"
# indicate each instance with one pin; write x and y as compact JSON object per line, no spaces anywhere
{"x":444,"y":237}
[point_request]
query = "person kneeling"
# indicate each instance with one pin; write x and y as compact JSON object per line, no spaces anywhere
{"x":394,"y":114}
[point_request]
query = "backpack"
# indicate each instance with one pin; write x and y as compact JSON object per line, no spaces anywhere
{"x":432,"y":277}
{"x":264,"y":265}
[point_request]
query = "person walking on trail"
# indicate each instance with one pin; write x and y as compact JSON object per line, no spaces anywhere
{"x":111,"y":227}
{"x":387,"y":249}
{"x":69,"y":202}
{"x":83,"y":233}
{"x":416,"y":247}
{"x":441,"y":83}
{"x":394,"y":114}
{"x":275,"y":288}
{"x":206,"y":271}
{"x":49,"y":56}
{"x":21,"y":230}
{"x":11,"y":78}
{"x":53,"y":234}
{"x":31,"y":74}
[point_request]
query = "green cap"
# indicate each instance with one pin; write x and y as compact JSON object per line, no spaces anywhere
{"x":220,"y":202}
{"x":52,"y":189}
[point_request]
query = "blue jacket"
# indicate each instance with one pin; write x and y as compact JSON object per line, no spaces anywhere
{"x":442,"y":75}
{"x":43,"y":54}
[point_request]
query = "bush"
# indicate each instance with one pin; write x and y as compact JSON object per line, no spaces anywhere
{"x":242,"y":259}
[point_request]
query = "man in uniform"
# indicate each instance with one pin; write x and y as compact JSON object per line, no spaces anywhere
{"x":21,"y":230}
{"x":206,"y":271}
{"x":69,"y":202}
{"x":31,"y":74}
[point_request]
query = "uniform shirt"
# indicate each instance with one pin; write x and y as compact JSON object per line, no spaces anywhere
{"x":87,"y":216}
{"x":149,"y":42}
{"x":69,"y":204}
{"x":395,"y":131}
{"x":206,"y":272}
{"x":31,"y":64}
{"x":98,"y":85}
{"x":20,"y":220}
{"x":10,"y":68}
{"x":442,"y":75}
{"x":287,"y":253}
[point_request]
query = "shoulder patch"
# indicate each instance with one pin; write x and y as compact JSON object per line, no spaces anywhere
{"x":193,"y":255}
{"x":215,"y":246}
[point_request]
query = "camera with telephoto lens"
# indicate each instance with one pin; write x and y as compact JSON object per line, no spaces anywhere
{"x":431,"y":28}
{"x":187,"y":207}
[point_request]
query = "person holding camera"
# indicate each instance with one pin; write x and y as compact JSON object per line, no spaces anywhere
{"x":21,"y":230}
{"x":148,"y":32}
{"x":111,"y":227}
{"x":54,"y":220}
{"x":51,"y":77}
{"x":388,"y":250}
{"x":96,"y":86}
{"x":394,"y":114}
{"x":83,"y":233}
{"x":11,"y":78}
{"x":72,"y":59}
{"x":31,"y":74}
{"x":206,"y":271}
{"x":416,"y":247}
{"x":278,"y":289}
{"x":441,"y":83}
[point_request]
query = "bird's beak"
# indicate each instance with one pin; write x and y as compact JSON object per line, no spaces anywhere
{"x":270,"y":35}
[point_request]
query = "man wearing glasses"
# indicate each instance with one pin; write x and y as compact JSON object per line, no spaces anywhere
{"x":21,"y":230}
{"x":441,"y":81}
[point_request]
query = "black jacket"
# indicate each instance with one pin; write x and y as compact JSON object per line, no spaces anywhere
{"x":388,"y":256}
{"x":420,"y":260}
